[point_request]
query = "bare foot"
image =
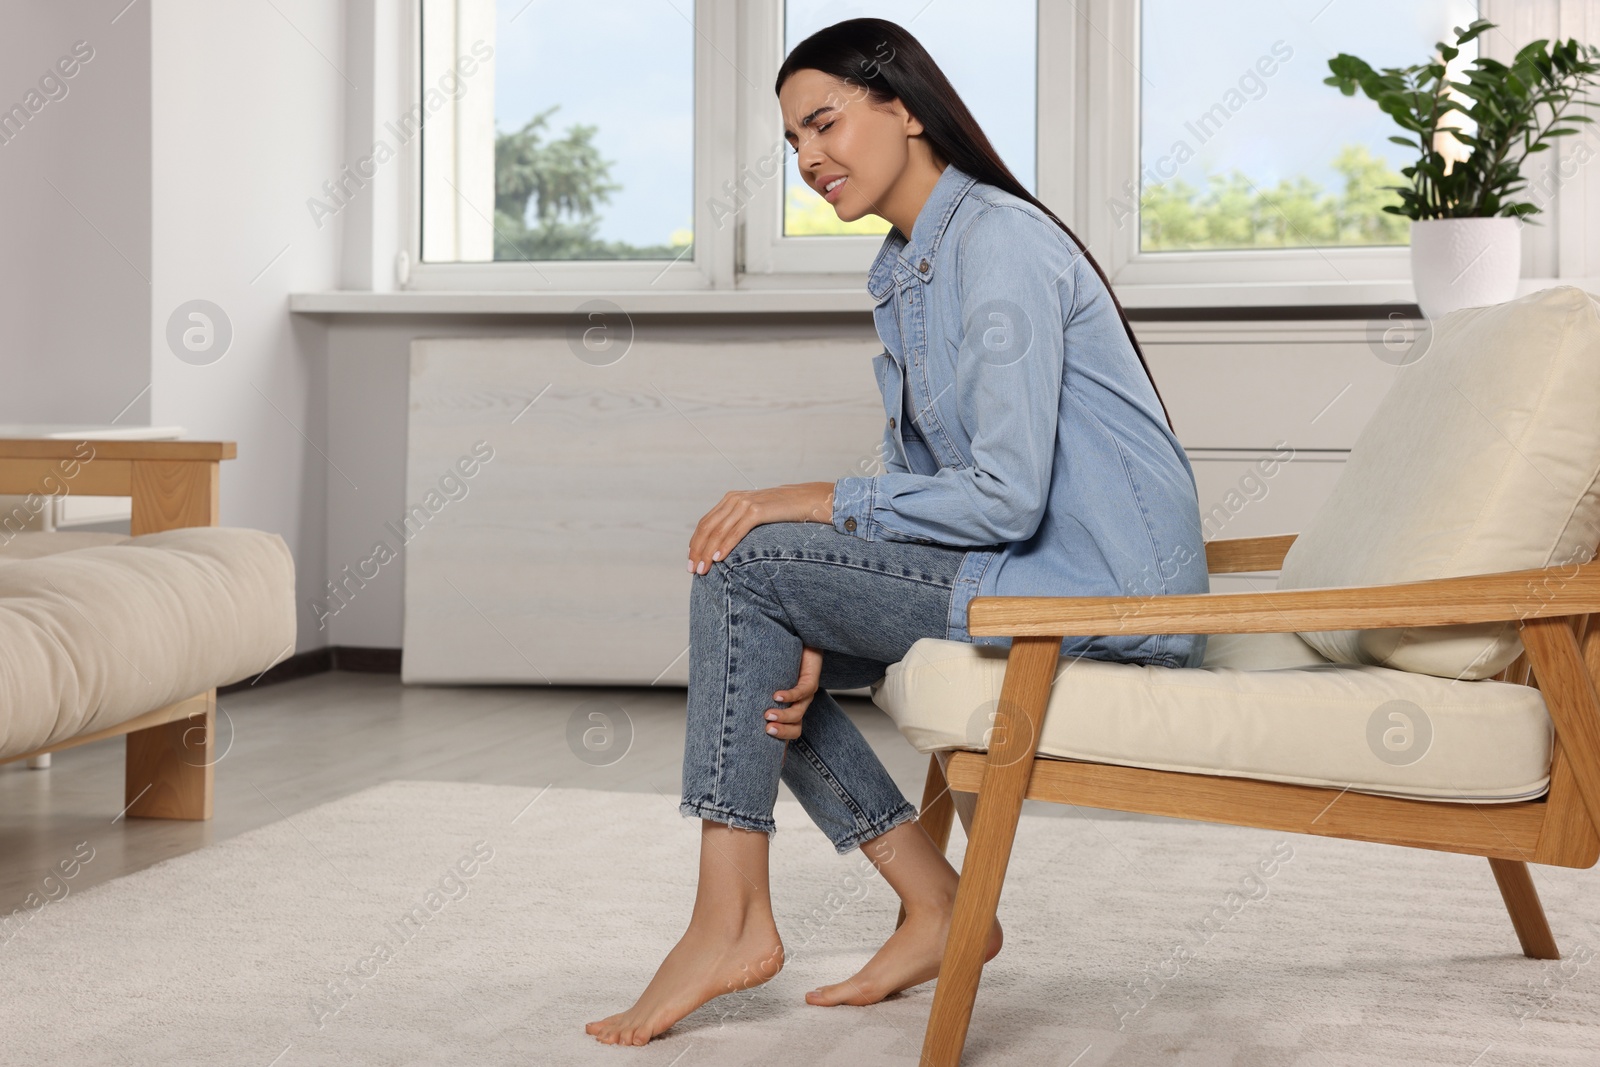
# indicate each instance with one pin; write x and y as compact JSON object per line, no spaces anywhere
{"x":702,"y":965}
{"x":910,"y":957}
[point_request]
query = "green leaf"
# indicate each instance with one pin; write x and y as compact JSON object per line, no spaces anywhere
{"x":1531,"y":49}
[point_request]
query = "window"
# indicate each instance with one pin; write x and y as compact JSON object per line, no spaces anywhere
{"x":1140,"y":89}
{"x":1243,"y":146}
{"x":630,"y":144}
{"x":557,"y":133}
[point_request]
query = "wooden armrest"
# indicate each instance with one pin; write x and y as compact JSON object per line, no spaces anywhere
{"x":1573,"y":589}
{"x":52,"y":448}
{"x":1238,"y":554}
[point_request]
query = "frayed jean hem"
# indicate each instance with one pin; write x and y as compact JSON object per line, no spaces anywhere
{"x":903,"y":814}
{"x":689,"y":809}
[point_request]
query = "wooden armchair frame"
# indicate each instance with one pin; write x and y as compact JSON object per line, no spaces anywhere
{"x":1561,"y":656}
{"x":173,"y":484}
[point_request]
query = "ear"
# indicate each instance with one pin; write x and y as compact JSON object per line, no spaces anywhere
{"x":909,"y":122}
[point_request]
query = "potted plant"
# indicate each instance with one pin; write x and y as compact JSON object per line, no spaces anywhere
{"x":1463,"y":200}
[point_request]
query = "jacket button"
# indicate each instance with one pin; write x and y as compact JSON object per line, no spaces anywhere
{"x":850,"y":524}
{"x":923,"y":265}
{"x":891,"y":422}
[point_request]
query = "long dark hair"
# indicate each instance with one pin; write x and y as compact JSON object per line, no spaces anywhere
{"x":885,"y":60}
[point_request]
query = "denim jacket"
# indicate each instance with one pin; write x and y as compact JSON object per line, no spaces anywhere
{"x":1039,"y":442}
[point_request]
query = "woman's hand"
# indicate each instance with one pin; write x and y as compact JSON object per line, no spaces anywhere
{"x":784,"y":723}
{"x":737,"y":513}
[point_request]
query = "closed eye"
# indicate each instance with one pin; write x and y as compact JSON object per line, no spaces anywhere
{"x":794,"y":148}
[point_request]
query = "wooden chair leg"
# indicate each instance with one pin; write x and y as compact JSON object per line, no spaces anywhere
{"x":935,"y":815}
{"x":1030,"y":670}
{"x":1527,"y":914}
{"x":169,"y":767}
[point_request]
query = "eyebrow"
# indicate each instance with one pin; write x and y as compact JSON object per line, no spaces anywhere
{"x":807,"y":120}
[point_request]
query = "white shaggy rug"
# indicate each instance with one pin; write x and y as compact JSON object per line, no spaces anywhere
{"x":1127,"y":942}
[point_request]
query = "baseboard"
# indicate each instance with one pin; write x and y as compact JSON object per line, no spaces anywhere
{"x":366,"y":660}
{"x":319,"y":660}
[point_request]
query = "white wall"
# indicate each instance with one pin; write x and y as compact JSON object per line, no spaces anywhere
{"x":75,"y":181}
{"x":247,"y":103}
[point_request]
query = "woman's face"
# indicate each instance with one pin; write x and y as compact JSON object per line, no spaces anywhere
{"x":848,"y":149}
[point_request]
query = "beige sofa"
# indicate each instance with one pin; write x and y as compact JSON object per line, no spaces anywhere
{"x":107,"y":634}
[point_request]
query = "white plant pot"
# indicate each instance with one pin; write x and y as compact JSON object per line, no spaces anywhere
{"x":1469,"y":262}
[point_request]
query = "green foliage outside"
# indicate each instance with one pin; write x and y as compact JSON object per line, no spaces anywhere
{"x":1231,"y":213}
{"x":1176,"y":216}
{"x":547,"y":195}
{"x":805,"y":214}
{"x":549,"y":192}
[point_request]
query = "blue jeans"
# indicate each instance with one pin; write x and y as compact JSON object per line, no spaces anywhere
{"x":788,"y":584}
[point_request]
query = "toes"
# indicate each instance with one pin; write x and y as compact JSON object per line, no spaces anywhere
{"x":635,"y":1034}
{"x":605,"y":1030}
{"x":832,"y":995}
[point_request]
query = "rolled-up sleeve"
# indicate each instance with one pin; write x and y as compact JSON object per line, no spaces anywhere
{"x":1015,"y":284}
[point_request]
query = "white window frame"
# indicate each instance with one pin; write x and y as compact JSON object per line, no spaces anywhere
{"x":1086,"y":151}
{"x":1109,"y":32}
{"x":714,"y":113}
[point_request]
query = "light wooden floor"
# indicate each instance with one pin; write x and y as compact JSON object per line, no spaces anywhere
{"x":289,"y":747}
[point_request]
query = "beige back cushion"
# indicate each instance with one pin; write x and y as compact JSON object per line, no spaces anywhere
{"x":1483,"y":456}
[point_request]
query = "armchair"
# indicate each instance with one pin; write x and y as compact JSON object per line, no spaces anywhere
{"x":1449,"y":571}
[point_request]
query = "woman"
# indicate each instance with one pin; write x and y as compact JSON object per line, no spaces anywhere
{"x":1037,"y":460}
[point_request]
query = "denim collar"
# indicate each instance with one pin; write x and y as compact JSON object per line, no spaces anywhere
{"x":920,"y":253}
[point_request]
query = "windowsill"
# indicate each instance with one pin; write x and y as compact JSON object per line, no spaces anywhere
{"x":1209,"y":297}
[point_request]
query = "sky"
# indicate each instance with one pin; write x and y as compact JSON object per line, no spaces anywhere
{"x":1291,"y":123}
{"x":627,"y":67}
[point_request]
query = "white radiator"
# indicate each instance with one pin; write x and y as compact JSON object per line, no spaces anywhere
{"x":561,"y":558}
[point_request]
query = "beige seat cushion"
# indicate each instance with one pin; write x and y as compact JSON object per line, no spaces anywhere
{"x":1483,"y":456}
{"x":38,"y":545}
{"x":1261,"y":706}
{"x":96,"y":629}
